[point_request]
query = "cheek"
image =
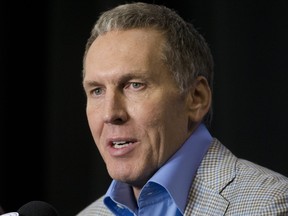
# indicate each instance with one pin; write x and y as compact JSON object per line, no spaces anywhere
{"x":162,"y":112}
{"x":148,"y":115}
{"x":166,"y":123}
{"x":94,"y":122}
{"x":152,"y":121}
{"x":96,"y":129}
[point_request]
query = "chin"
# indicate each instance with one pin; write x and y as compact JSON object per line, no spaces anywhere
{"x":123,"y":176}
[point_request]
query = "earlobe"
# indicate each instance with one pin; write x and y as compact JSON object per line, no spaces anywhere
{"x":199,"y":99}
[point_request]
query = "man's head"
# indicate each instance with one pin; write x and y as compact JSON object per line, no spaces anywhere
{"x":148,"y":78}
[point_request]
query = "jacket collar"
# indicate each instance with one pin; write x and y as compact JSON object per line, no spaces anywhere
{"x":216,"y":171}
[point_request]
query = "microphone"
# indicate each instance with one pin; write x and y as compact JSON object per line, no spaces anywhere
{"x":34,"y":208}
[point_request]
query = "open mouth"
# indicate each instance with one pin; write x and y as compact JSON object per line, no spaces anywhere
{"x":121,"y":144}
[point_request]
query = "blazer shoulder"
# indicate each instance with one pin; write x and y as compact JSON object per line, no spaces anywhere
{"x":263,"y":177}
{"x":257,"y":190}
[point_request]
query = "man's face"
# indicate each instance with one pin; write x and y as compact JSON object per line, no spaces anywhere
{"x":136,"y":114}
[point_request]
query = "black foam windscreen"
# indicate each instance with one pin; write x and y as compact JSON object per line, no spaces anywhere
{"x":37,"y":208}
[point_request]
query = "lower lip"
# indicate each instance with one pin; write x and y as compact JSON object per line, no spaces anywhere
{"x":120,"y":152}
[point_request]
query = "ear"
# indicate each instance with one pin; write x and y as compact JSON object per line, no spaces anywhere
{"x":199,"y":100}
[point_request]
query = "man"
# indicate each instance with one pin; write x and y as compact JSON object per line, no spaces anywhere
{"x":148,"y":78}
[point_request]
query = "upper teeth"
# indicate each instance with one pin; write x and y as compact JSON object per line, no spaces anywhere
{"x":119,"y":142}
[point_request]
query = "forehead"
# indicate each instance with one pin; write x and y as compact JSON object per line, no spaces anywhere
{"x":127,"y":50}
{"x":132,"y":44}
{"x":134,"y":37}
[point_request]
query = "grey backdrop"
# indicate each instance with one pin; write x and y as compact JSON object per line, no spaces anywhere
{"x":47,"y":152}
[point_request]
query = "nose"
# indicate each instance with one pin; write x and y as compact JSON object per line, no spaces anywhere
{"x":115,"y":108}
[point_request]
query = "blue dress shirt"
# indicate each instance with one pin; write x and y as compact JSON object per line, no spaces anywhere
{"x":167,"y":190}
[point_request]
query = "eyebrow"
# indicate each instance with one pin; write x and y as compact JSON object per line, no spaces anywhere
{"x":90,"y":83}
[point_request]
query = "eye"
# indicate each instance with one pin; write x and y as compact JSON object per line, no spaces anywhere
{"x":136,"y":85}
{"x":97,"y":91}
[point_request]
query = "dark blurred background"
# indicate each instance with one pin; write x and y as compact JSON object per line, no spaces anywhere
{"x":47,"y":152}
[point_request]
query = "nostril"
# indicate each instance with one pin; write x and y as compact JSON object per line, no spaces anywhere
{"x":118,"y":121}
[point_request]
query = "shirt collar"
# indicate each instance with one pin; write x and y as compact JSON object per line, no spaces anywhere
{"x":177,"y":173}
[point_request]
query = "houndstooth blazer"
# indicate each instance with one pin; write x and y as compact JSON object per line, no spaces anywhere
{"x":227,"y":185}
